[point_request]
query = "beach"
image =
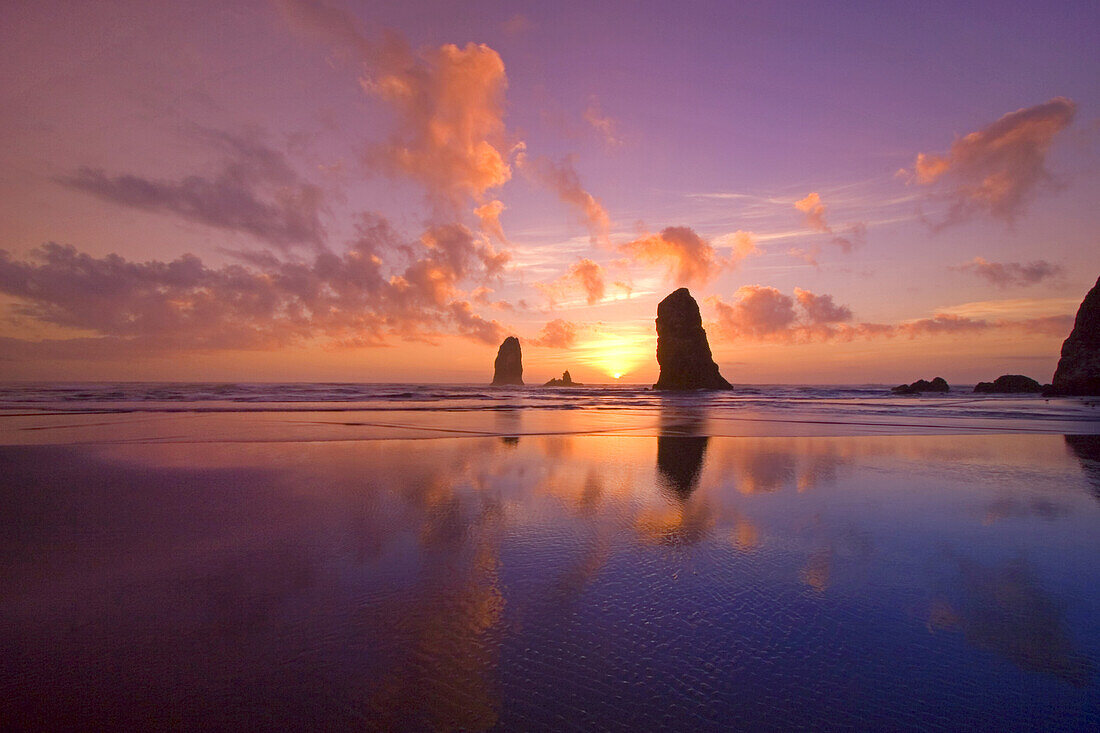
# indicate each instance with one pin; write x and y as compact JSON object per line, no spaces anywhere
{"x":682,"y":564}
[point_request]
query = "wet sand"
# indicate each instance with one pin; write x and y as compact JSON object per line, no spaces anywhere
{"x":265,"y":571}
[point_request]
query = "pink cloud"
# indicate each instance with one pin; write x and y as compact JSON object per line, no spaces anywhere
{"x":1005,"y":274}
{"x":256,"y":192}
{"x":586,"y":275}
{"x":342,"y":299}
{"x":602,"y":124}
{"x":557,"y":334}
{"x":996,"y":169}
{"x":764,"y":313}
{"x":562,"y":179}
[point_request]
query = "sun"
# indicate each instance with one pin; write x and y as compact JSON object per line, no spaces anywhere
{"x":618,"y":375}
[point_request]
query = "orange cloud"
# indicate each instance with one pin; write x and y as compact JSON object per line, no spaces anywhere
{"x":449,"y":101}
{"x":489,"y":217}
{"x":585,"y":274}
{"x":557,"y":334}
{"x":690,"y":258}
{"x":996,"y":168}
{"x":450,"y":104}
{"x":562,"y":178}
{"x":814,"y":210}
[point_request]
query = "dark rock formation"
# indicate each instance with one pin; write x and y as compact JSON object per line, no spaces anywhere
{"x":508,"y":367}
{"x":565,"y":381}
{"x":1078,"y":371}
{"x":922,"y":385}
{"x":1009,"y":384}
{"x":682,"y":348}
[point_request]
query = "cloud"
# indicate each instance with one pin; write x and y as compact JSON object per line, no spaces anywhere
{"x":821,"y":308}
{"x":996,"y":169}
{"x":814,"y":210}
{"x":256,"y":192}
{"x":557,"y":334}
{"x":763,"y":313}
{"x":489,"y":216}
{"x":602,"y":124}
{"x":691,"y":260}
{"x":517,"y":24}
{"x":562,"y":179}
{"x":349,"y":299}
{"x":758,"y":311}
{"x":1005,"y":274}
{"x":584,"y":274}
{"x":449,"y":101}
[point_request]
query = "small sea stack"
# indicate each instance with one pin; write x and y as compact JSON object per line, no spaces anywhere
{"x":508,"y":367}
{"x":682,"y":349}
{"x":1078,"y":371}
{"x":1008,"y":384}
{"x":565,"y":381}
{"x":938,"y":384}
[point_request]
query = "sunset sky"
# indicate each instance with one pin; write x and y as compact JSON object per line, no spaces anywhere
{"x":353,"y":191}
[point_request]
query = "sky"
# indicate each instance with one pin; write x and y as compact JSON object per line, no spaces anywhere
{"x":283,"y":190}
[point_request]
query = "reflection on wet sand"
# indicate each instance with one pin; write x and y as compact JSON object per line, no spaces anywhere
{"x":445,"y":585}
{"x":1087,"y":449}
{"x":1004,"y":609}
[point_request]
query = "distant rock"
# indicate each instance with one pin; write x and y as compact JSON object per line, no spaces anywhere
{"x":682,"y":349}
{"x":939,"y":384}
{"x":565,"y":381}
{"x":508,"y":367}
{"x":1078,"y":371}
{"x":1008,"y":384}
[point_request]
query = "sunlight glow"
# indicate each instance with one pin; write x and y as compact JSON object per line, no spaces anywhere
{"x":616,"y":354}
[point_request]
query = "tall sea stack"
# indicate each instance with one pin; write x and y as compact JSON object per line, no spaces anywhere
{"x":682,"y":349}
{"x":1078,"y":371}
{"x":508,"y":367}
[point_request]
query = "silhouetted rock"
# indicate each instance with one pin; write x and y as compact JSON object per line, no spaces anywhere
{"x":922,"y":385}
{"x":508,"y":367}
{"x":1009,"y":384}
{"x":682,"y":349}
{"x":1078,"y":371}
{"x":565,"y":381}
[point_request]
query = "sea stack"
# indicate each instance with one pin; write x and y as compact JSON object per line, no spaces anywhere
{"x":508,"y":367}
{"x":1078,"y":371}
{"x":565,"y":381}
{"x":682,"y":349}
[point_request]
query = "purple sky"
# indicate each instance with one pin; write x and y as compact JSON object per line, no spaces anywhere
{"x":317,"y":167}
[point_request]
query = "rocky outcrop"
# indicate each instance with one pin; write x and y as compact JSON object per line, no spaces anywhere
{"x":1078,"y":371}
{"x":1008,"y":384}
{"x":565,"y":381}
{"x":939,"y":384}
{"x":508,"y":367}
{"x":682,"y":349}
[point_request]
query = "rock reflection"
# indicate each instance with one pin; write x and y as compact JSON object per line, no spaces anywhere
{"x":1004,"y":609}
{"x":681,"y":453}
{"x":681,"y":446}
{"x":1087,"y":450}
